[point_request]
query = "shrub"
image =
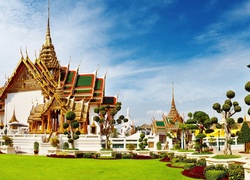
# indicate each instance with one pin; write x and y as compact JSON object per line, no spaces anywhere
{"x":215,"y":174}
{"x":177,"y":146}
{"x":87,"y":155}
{"x":201,"y":162}
{"x":158,"y":145}
{"x":79,"y":155}
{"x":54,"y":141}
{"x":117,"y":155}
{"x":8,"y":141}
{"x":174,"y":160}
{"x":171,"y":155}
{"x":127,"y":156}
{"x":189,"y":166}
{"x":236,"y":172}
{"x":130,"y":146}
{"x":163,"y":155}
{"x":181,"y":158}
{"x":153,"y":155}
{"x":65,"y":145}
{"x":215,"y":167}
{"x":190,"y":160}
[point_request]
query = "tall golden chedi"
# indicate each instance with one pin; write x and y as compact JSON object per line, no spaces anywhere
{"x":41,"y":93}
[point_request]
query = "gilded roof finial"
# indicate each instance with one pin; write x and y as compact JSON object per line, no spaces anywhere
{"x":79,"y":66}
{"x":48,"y":40}
{"x":97,"y":70}
{"x":27,"y":57}
{"x":106,"y":73}
{"x":35,"y":55}
{"x":69,"y":61}
{"x":21,"y":52}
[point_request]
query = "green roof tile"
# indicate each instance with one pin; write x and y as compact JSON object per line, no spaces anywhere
{"x":85,"y":80}
{"x":160,"y":123}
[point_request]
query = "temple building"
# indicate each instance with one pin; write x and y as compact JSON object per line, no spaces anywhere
{"x":39,"y":93}
{"x":169,"y":124}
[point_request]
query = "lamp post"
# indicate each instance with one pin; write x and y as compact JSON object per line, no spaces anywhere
{"x":219,"y":140}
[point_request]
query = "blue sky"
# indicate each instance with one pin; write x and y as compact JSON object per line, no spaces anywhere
{"x":201,"y":46}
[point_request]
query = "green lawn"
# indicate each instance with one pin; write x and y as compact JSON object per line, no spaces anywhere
{"x":41,"y":167}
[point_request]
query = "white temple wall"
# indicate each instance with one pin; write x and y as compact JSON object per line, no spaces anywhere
{"x":22,"y":103}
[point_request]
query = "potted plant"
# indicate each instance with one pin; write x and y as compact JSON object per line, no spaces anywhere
{"x":36,"y":147}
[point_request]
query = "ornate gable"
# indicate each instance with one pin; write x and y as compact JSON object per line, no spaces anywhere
{"x":22,"y":81}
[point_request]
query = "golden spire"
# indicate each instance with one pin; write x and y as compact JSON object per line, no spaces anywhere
{"x":48,"y":40}
{"x":47,"y":53}
{"x":173,"y":111}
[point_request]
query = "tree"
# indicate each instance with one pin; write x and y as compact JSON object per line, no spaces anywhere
{"x":71,"y":128}
{"x":106,"y":121}
{"x":200,"y":121}
{"x":247,"y":101}
{"x":143,"y":141}
{"x":227,"y":110}
{"x":244,"y":135}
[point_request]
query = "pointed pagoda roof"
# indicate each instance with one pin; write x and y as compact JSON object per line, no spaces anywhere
{"x":173,"y":111}
{"x":48,"y":54}
{"x":13,"y":119}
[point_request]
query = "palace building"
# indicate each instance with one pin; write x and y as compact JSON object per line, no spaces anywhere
{"x":39,"y":93}
{"x":169,"y":124}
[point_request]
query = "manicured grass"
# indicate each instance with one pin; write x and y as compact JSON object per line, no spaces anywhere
{"x":226,"y":156}
{"x":27,"y":167}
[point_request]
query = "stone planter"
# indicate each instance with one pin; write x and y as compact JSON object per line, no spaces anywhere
{"x":177,"y":153}
{"x":143,"y":153}
{"x":225,"y":162}
{"x":247,"y":171}
{"x":52,"y":150}
{"x":7,"y":149}
{"x":106,"y":153}
{"x":199,"y":156}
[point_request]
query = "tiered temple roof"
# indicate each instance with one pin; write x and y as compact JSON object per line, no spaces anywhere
{"x":171,"y":121}
{"x":63,"y":89}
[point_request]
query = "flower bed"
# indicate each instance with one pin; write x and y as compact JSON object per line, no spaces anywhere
{"x":60,"y":156}
{"x":141,"y":157}
{"x":195,"y":172}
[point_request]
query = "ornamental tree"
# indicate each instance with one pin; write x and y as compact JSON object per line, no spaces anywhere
{"x":247,"y":101}
{"x":106,"y":120}
{"x":244,"y":135}
{"x":200,"y":121}
{"x":227,"y":110}
{"x":143,"y":141}
{"x":71,"y":128}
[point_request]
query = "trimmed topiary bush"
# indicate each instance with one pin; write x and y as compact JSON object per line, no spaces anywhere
{"x":65,"y":145}
{"x":189,"y":166}
{"x":158,"y":145}
{"x":215,"y":174}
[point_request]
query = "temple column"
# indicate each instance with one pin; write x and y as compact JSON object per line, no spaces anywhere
{"x":49,"y":123}
{"x":61,"y":122}
{"x":42,"y":129}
